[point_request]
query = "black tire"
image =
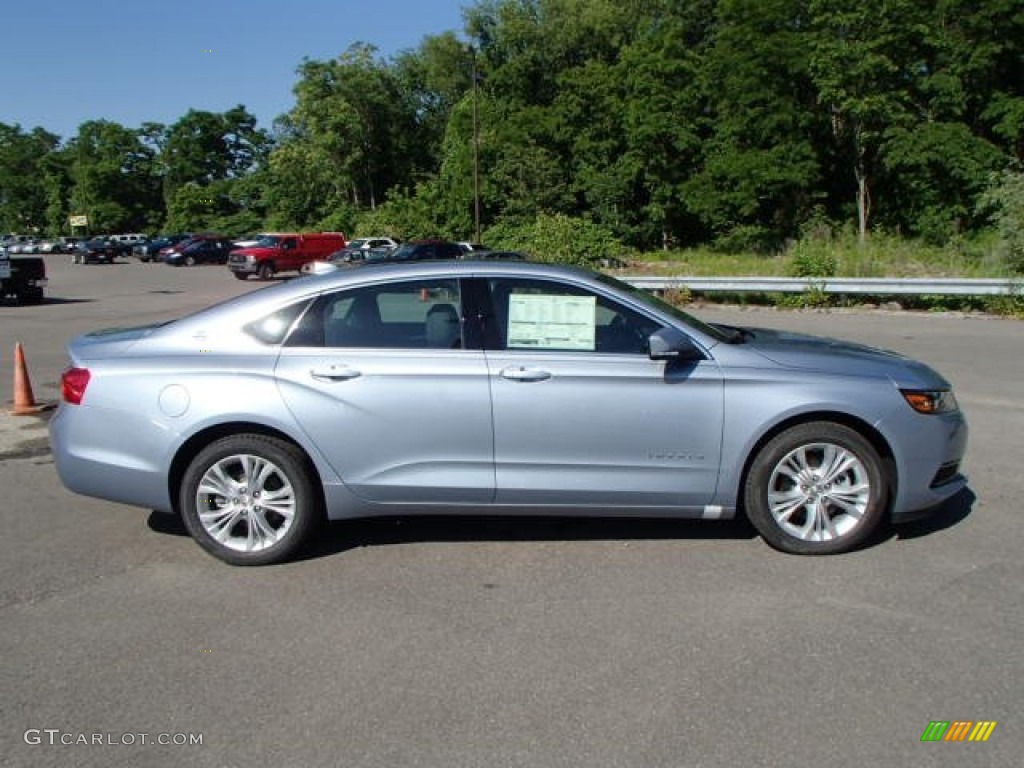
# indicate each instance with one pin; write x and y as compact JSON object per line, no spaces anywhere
{"x":241,"y":544}
{"x":240,"y":275}
{"x":266,"y":271}
{"x":190,"y":261}
{"x":816,"y":514}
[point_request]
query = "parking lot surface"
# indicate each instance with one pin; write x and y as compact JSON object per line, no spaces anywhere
{"x":454,"y":642}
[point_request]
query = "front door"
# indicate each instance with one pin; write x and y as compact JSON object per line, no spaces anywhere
{"x":582,"y":415}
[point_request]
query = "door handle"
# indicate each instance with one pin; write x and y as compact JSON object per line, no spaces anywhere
{"x":334,"y":373}
{"x":519,"y":373}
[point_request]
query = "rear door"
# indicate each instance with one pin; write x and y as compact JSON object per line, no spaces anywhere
{"x":380,"y":378}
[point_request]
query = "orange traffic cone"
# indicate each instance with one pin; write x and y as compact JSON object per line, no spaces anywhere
{"x":24,"y":401}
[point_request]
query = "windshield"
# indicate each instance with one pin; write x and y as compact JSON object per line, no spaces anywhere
{"x":359,"y":243}
{"x":648,"y":298}
{"x":404,"y":251}
{"x":268,"y":242}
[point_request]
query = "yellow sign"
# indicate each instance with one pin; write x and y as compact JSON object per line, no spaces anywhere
{"x":80,"y":220}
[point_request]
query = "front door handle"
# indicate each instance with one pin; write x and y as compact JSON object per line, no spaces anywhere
{"x":519,"y":373}
{"x":334,"y":373}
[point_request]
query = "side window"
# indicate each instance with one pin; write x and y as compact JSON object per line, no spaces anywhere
{"x":273,"y":328}
{"x":544,"y":315}
{"x":420,"y":314}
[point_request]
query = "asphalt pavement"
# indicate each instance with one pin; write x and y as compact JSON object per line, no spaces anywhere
{"x":506,"y":642}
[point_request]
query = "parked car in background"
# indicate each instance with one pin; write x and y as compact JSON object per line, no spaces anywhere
{"x":491,"y":255}
{"x":53,"y":245}
{"x":150,"y":251}
{"x":414,"y":250}
{"x":22,"y":277}
{"x":248,"y":241}
{"x":468,"y":247}
{"x":211,"y":250}
{"x":426,"y":250}
{"x":29,"y":245}
{"x":504,"y":388}
{"x":283,"y":252}
{"x":130,"y":241}
{"x":362,"y":247}
{"x":169,"y":251}
{"x":95,"y":251}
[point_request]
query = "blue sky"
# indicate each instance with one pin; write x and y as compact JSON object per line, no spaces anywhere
{"x":133,"y":61}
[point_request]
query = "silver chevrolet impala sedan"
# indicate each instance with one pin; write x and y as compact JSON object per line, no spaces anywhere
{"x":496,"y":387}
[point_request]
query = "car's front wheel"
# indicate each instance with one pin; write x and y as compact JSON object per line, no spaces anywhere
{"x":816,"y":489}
{"x":249,"y":499}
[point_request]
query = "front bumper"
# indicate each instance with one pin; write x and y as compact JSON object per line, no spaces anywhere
{"x":929,"y":468}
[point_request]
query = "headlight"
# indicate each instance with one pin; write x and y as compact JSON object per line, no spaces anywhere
{"x":930,"y":400}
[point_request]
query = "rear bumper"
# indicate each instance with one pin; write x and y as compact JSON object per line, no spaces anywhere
{"x":92,"y":458}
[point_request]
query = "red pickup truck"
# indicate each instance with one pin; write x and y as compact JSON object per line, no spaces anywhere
{"x":283,"y":252}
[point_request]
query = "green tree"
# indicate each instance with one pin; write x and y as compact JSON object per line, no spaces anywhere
{"x":352,"y":113}
{"x":759,"y":168}
{"x":115,"y":178}
{"x":24,"y":198}
{"x":863,"y":58}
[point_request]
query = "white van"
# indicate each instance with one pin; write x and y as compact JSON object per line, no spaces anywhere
{"x":133,"y":239}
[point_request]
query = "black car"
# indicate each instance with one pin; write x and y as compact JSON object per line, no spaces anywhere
{"x":212,"y":250}
{"x":425,"y":250}
{"x":96,"y":251}
{"x":151,"y":251}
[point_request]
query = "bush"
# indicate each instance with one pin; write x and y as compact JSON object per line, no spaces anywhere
{"x":1003,"y":201}
{"x":557,"y":238}
{"x":813,"y":258}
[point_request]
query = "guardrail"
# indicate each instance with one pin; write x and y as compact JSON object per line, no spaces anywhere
{"x":872,"y":286}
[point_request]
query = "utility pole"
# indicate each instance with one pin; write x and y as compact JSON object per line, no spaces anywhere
{"x":476,"y":150}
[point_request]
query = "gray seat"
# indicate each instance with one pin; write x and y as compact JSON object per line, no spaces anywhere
{"x":442,"y":327}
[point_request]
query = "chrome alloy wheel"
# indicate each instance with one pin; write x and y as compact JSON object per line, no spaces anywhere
{"x":246,"y":503}
{"x":819,"y":492}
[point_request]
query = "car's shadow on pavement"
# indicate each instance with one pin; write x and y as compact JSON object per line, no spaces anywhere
{"x":951,"y":512}
{"x":47,"y":301}
{"x":340,"y":536}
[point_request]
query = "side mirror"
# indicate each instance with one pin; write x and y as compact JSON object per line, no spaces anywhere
{"x":672,"y":344}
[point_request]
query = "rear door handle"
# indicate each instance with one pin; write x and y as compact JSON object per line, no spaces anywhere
{"x":519,"y":373}
{"x":334,"y":373}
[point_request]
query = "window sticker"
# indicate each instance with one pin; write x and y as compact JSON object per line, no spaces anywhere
{"x":538,"y":321}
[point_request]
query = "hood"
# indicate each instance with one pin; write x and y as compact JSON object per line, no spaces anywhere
{"x":254,"y":252}
{"x":798,"y":350}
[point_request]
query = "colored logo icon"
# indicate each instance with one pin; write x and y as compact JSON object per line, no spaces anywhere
{"x":958,"y":730}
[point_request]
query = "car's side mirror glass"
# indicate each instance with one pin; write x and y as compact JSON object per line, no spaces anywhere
{"x":672,"y":344}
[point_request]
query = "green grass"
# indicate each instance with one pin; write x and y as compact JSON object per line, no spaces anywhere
{"x":880,"y":256}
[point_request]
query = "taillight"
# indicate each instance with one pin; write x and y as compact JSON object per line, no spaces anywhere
{"x":73,"y":383}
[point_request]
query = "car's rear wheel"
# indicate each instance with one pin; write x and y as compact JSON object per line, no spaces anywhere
{"x":816,"y":489}
{"x":249,"y":499}
{"x":266,"y":271}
